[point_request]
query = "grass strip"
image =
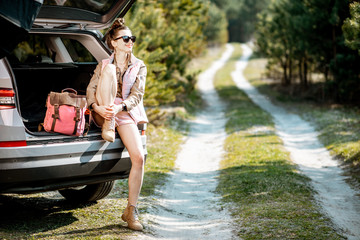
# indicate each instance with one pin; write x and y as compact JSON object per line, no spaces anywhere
{"x":268,"y":197}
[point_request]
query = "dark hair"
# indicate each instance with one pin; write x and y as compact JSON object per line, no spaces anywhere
{"x":118,"y":25}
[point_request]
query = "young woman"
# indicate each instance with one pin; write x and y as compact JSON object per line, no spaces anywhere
{"x":114,"y":96}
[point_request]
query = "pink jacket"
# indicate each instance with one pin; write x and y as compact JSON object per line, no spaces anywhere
{"x":132,"y":91}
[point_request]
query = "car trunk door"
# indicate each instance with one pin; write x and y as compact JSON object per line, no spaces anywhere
{"x":89,"y":14}
{"x":16,"y":19}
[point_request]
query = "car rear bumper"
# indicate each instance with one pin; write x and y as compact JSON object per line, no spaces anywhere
{"x":61,"y":165}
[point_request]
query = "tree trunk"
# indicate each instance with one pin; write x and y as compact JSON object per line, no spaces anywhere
{"x":290,"y":71}
{"x":305,"y":83}
{"x":300,"y":71}
{"x":284,"y":80}
{"x":334,"y":43}
{"x":326,"y":74}
{"x":285,"y":77}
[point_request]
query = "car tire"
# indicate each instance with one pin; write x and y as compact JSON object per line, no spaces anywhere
{"x":88,"y":193}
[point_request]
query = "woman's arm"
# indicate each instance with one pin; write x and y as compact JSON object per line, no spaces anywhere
{"x":91,"y":88}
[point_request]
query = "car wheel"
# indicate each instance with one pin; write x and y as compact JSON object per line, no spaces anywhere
{"x":88,"y":193}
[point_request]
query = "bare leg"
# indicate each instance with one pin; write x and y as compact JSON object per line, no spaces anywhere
{"x":107,"y":86}
{"x":105,"y":96}
{"x":129,"y":134}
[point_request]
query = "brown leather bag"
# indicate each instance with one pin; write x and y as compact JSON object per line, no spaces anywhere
{"x":65,"y":112}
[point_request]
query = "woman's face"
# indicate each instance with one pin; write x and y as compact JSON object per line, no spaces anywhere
{"x":120,"y":44}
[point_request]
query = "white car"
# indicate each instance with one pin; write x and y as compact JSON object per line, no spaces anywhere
{"x":60,"y":50}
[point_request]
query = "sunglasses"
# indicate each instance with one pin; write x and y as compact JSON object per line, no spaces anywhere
{"x":126,"y":39}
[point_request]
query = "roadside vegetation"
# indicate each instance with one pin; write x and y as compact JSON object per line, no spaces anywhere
{"x":267,"y":196}
{"x":168,"y":40}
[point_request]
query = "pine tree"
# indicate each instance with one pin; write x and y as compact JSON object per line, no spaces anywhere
{"x":170,"y":34}
{"x":351,"y":27}
{"x":306,"y":37}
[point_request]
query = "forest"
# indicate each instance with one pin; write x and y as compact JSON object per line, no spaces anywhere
{"x":313,"y":44}
{"x":309,"y":44}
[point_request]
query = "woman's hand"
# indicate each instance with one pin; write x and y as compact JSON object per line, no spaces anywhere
{"x":107,"y":112}
{"x":118,"y":108}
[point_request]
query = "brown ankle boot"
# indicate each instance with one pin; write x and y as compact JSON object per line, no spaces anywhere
{"x":130,"y":216}
{"x":108,"y":130}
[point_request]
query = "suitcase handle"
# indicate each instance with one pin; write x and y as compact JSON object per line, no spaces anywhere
{"x":71,"y":90}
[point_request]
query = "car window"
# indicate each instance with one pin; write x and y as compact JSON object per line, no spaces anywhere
{"x":32,"y":50}
{"x":77,"y":51}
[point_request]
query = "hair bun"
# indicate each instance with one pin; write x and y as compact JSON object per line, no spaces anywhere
{"x":119,"y":23}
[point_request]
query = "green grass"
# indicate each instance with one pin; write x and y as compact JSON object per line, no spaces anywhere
{"x":267,"y":196}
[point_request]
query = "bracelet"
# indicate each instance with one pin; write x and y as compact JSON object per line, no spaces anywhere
{"x":124,"y":108}
{"x":91,"y":107}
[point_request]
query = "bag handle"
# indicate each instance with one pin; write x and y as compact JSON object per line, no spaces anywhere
{"x":70,"y":90}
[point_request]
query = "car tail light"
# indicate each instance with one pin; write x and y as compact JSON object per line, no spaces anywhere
{"x":7,"y":98}
{"x":13,"y":144}
{"x":142,"y":132}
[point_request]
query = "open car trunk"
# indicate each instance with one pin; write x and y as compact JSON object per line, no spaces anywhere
{"x":35,"y":81}
{"x":38,"y":71}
